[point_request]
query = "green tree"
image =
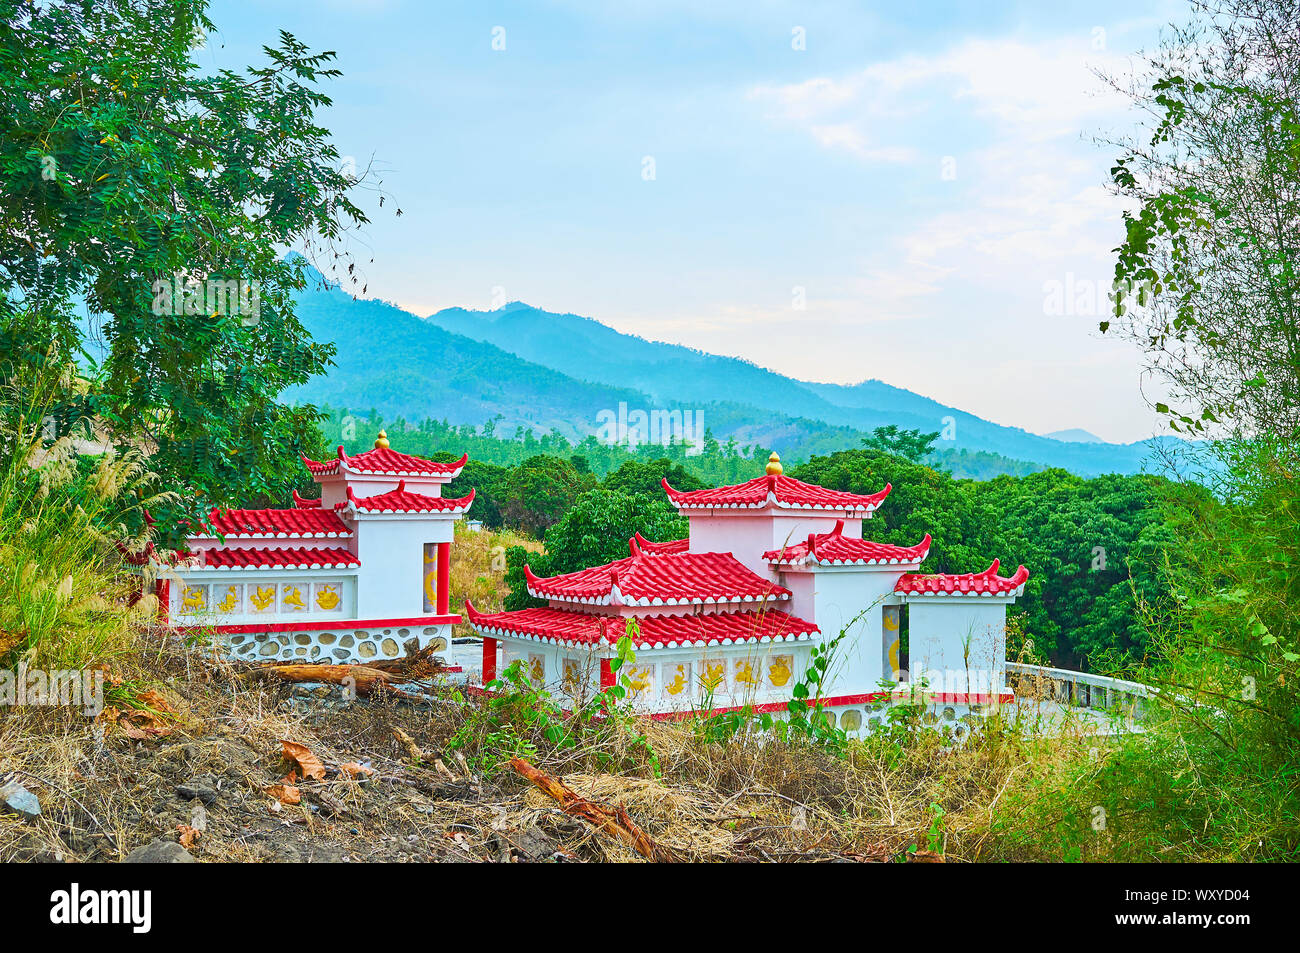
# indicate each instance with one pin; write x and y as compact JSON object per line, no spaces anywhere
{"x":1207,"y":287}
{"x":488,"y":481}
{"x":909,"y":444}
{"x":1207,"y":279}
{"x":541,"y":490}
{"x":645,"y":476}
{"x":125,"y":170}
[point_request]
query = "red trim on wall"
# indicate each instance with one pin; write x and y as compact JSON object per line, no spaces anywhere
{"x":163,"y":590}
{"x":444,"y":578}
{"x":607,"y":679}
{"x":322,"y":625}
{"x":489,"y":660}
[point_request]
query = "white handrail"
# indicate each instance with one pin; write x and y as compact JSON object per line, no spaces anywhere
{"x":1098,"y":691}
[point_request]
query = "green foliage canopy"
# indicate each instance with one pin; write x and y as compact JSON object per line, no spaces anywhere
{"x":122,"y":166}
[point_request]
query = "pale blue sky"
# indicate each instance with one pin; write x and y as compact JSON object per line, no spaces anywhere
{"x":920,"y":171}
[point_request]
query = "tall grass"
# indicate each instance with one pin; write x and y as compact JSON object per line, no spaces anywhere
{"x":1216,"y":775}
{"x":63,"y":592}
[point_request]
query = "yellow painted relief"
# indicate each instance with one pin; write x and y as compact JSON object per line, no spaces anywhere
{"x":714,"y":676}
{"x":779,"y":669}
{"x":194,"y":599}
{"x":572,"y":677}
{"x":291,"y":598}
{"x":640,"y":678}
{"x":745,"y":672}
{"x":230,"y":602}
{"x":681,"y":679}
{"x":327,"y":597}
{"x":537,"y":669}
{"x":262,"y":598}
{"x":430,"y":577}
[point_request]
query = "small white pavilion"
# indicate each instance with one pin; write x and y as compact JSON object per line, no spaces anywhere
{"x":352,"y":576}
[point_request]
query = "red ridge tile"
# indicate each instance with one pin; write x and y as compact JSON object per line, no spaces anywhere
{"x":585,"y":628}
{"x":786,"y":493}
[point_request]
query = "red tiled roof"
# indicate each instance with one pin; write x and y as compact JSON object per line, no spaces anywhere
{"x":986,"y":583}
{"x":673,"y":546}
{"x":385,"y":462}
{"x":583,"y":628}
{"x":781,"y":491}
{"x":664,"y":579}
{"x":402,"y":500}
{"x":305,"y":504}
{"x":282,"y":524}
{"x":229,"y":558}
{"x":836,"y":549}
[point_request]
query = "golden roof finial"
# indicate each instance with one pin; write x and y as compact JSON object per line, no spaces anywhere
{"x":774,"y":465}
{"x":381,"y":442}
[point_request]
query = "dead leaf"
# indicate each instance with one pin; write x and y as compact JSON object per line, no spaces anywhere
{"x":285,"y":793}
{"x":188,"y":835}
{"x":141,"y":724}
{"x":307,"y":764}
{"x":353,"y":770}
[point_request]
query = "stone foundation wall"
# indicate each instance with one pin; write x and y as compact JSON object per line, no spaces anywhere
{"x":332,"y":646}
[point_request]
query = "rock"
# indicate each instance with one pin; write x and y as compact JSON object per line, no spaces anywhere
{"x":14,"y":797}
{"x":530,"y":844}
{"x":202,"y":787}
{"x":159,"y":851}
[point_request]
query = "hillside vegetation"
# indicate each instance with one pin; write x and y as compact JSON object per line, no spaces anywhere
{"x":520,"y":367}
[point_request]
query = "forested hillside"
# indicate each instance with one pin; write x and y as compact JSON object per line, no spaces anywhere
{"x":550,"y":372}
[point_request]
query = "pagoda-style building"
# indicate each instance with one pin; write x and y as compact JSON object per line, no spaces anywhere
{"x":728,"y":616}
{"x":352,"y":576}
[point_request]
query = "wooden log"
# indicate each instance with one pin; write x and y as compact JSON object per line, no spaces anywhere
{"x":362,"y":678}
{"x":613,"y":821}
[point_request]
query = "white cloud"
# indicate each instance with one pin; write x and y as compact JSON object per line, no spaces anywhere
{"x":848,"y":136}
{"x":1046,"y":88}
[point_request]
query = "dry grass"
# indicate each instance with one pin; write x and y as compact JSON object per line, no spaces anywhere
{"x":106,"y":794}
{"x":478,"y":569}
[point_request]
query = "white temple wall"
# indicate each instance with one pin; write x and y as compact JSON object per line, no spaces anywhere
{"x":793,"y":526}
{"x":745,"y":537}
{"x":840,"y":595}
{"x":391,"y":576}
{"x":958,"y":642}
{"x":226,"y":597}
{"x":676,"y":679}
{"x":748,"y":535}
{"x":803,"y":591}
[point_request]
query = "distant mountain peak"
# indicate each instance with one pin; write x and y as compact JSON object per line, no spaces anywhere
{"x":1074,"y":435}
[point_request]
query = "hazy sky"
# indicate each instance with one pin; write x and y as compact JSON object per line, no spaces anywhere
{"x":838,"y":191}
